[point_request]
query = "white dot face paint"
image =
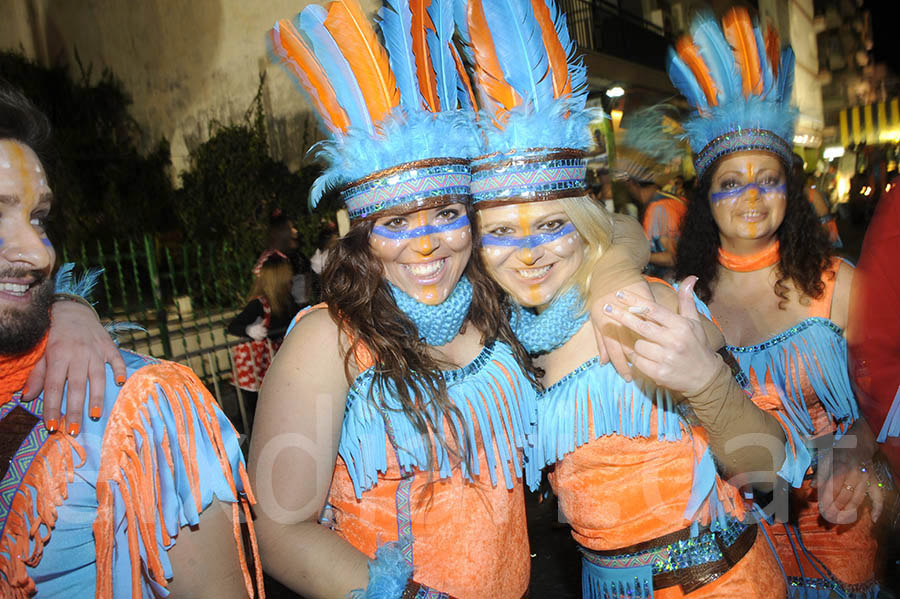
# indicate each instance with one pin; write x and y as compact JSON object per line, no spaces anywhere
{"x":24,"y":207}
{"x":748,"y":197}
{"x":424,"y":253}
{"x":531,"y":249}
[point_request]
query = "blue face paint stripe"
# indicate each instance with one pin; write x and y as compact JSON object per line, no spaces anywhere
{"x":733,"y":193}
{"x":44,"y":240}
{"x":462,"y":221}
{"x":530,"y":241}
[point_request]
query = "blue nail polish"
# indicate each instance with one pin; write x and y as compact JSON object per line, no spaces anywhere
{"x":620,"y":294}
{"x":607,"y":308}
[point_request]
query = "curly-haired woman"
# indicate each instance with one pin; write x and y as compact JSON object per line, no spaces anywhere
{"x":781,"y":298}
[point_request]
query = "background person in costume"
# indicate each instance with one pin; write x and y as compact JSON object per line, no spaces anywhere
{"x":766,"y":269}
{"x":408,"y":416}
{"x":635,"y":477}
{"x":100,"y":511}
{"x":645,"y":159}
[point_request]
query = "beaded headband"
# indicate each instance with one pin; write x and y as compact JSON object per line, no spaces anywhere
{"x":534,"y":90}
{"x":740,"y":83}
{"x":414,"y":185}
{"x":401,"y":124}
{"x":535,"y":175}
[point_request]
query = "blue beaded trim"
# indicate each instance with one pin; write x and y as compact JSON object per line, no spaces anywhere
{"x":399,"y":186}
{"x":862,"y":590}
{"x":523,"y":177}
{"x":704,"y":548}
{"x":783,"y":336}
{"x":738,"y":141}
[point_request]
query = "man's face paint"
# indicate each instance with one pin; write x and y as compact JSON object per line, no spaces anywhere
{"x":26,"y":256}
{"x":530,"y":249}
{"x":424,"y":253}
{"x":748,"y":196}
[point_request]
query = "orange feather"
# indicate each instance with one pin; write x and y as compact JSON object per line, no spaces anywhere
{"x":773,"y":49}
{"x":491,"y":80}
{"x":559,"y":66}
{"x":738,"y":30}
{"x":464,"y":78}
{"x":310,"y":75}
{"x":691,"y":57}
{"x":367,"y":57}
{"x":421,"y":23}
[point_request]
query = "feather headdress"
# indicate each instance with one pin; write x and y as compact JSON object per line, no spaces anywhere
{"x":650,"y":146}
{"x":399,"y":114}
{"x":740,"y":84}
{"x":534,"y":89}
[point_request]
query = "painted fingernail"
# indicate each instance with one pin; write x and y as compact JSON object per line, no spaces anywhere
{"x":608,"y":308}
{"x":73,"y":429}
{"x":52,"y":425}
{"x":620,"y":294}
{"x":120,"y":380}
{"x":95,"y":413}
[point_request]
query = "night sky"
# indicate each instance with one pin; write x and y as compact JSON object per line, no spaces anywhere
{"x":885,"y":25}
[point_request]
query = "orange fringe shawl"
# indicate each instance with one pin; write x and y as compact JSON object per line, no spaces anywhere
{"x":136,"y":472}
{"x":43,"y":489}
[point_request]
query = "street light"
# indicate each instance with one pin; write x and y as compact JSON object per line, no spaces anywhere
{"x":615,"y":92}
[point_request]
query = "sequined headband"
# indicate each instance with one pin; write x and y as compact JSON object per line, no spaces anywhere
{"x":532,"y":175}
{"x":741,"y":140}
{"x":413,"y":183}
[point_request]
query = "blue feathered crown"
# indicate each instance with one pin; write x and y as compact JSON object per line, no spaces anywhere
{"x":740,"y":83}
{"x":650,"y":146}
{"x":532,"y":89}
{"x":400,"y":114}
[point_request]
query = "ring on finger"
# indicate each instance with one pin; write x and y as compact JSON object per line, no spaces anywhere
{"x":849,"y":487}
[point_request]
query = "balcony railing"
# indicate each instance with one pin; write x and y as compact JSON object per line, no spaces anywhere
{"x":603,"y":26}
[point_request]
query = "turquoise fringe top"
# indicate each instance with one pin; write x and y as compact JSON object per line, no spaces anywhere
{"x":492,"y":392}
{"x":815,"y":346}
{"x":595,"y":395}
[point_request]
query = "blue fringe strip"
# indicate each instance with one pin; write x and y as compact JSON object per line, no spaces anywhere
{"x":503,"y":410}
{"x":594,"y":394}
{"x":891,"y":427}
{"x":818,"y":347}
{"x":598,"y":582}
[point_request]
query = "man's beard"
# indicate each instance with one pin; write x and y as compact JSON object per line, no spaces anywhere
{"x":22,"y":328}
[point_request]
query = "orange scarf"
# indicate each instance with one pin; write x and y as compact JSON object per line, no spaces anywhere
{"x":14,"y":370}
{"x":757,"y":261}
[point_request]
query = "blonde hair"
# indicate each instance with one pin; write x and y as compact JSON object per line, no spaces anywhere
{"x":274,"y":283}
{"x":595,"y":226}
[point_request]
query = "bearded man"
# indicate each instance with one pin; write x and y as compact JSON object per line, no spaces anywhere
{"x":124,"y":502}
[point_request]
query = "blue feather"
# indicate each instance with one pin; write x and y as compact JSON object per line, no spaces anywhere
{"x":786,"y":76}
{"x":718,"y":56}
{"x":68,"y":282}
{"x":278,"y":55}
{"x":396,"y":28}
{"x":311,"y":25}
{"x":520,"y":50}
{"x":768,"y":78}
{"x":683,"y":79}
{"x":439,"y":40}
{"x":460,"y":17}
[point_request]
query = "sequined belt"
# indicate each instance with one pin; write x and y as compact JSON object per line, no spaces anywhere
{"x":673,"y":559}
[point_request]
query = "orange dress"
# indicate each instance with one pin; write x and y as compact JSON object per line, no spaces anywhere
{"x":802,"y":374}
{"x":631,"y":468}
{"x":463,"y":530}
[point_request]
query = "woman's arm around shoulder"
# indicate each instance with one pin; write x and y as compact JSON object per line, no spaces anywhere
{"x":292,"y":455}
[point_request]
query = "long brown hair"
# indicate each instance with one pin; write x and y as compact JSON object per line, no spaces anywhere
{"x":274,"y":283}
{"x":360,"y":301}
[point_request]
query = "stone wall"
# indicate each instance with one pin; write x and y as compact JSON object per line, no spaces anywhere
{"x":186,"y":65}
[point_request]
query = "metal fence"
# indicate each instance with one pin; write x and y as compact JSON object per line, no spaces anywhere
{"x":184,"y":297}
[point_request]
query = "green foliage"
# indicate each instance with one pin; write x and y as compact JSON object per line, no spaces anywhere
{"x":233,"y":185}
{"x":105,"y":185}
